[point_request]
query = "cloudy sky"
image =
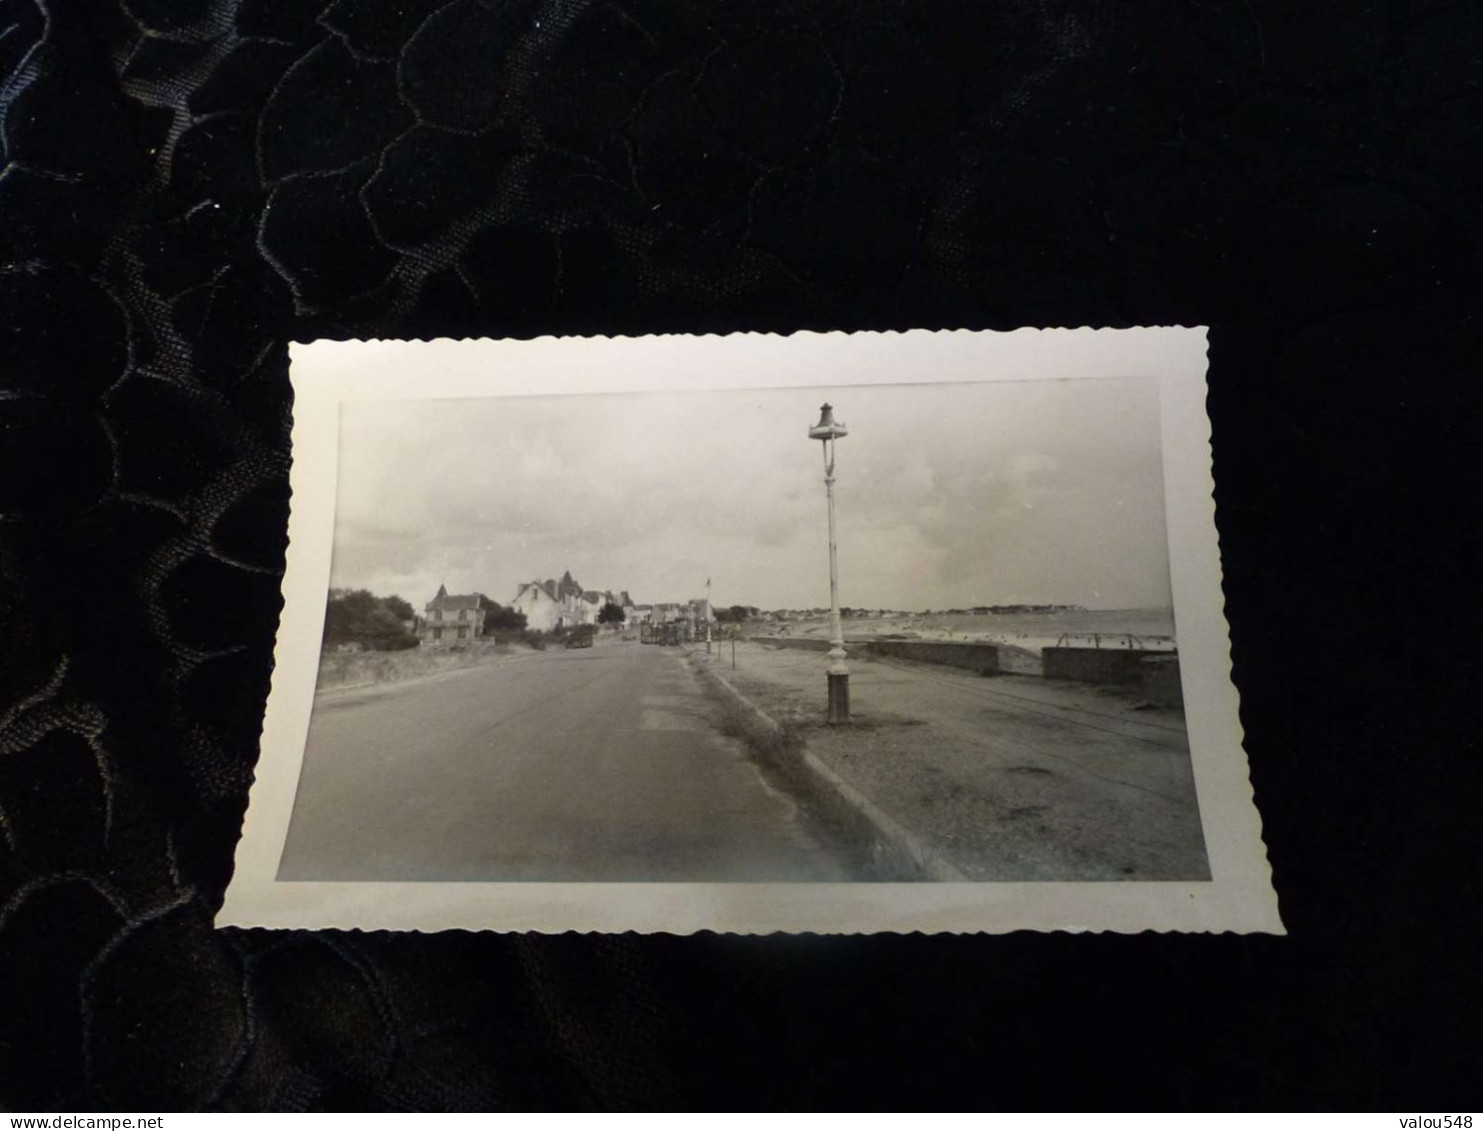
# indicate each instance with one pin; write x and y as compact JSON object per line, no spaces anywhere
{"x":948,"y":495}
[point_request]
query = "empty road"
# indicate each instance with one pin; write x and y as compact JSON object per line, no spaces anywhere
{"x":600,"y":764}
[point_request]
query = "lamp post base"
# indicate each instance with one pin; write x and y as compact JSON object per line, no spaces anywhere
{"x":839,"y":698}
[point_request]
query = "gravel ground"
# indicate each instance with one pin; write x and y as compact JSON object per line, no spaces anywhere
{"x":1009,"y":777}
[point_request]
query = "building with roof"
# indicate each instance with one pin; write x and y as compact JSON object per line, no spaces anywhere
{"x":448,"y":617}
{"x":552,"y":604}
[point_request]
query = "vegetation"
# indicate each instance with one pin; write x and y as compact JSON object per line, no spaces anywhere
{"x":500,"y":620}
{"x":526,"y":636}
{"x":611,"y":613}
{"x":581,"y":636}
{"x":737,"y":614}
{"x":529,"y":637}
{"x":401,"y":609}
{"x":358,"y":616}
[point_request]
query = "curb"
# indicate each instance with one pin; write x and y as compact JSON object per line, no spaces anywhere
{"x":891,"y":843}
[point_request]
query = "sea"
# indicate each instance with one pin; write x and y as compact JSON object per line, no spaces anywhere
{"x":1153,"y":628}
{"x":1081,"y":622}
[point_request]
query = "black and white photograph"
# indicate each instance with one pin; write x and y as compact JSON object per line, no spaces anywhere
{"x":814,"y":625}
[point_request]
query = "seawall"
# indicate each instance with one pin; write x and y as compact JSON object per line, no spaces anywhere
{"x":1161,"y":682}
{"x":970,"y":655}
{"x":975,"y":657}
{"x":802,"y":643}
{"x":1121,"y":666}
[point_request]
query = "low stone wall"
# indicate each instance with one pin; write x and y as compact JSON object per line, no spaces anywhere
{"x":1121,"y":666}
{"x":980,"y":658}
{"x":804,"y":643}
{"x":1161,"y":682}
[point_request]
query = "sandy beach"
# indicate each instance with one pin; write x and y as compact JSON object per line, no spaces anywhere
{"x":1020,"y":636}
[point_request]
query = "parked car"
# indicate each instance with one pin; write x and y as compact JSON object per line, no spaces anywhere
{"x":581,"y":636}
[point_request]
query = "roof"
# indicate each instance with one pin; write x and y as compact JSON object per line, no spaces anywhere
{"x":556,"y":590}
{"x":444,"y":600}
{"x":546,"y":587}
{"x":566,"y":587}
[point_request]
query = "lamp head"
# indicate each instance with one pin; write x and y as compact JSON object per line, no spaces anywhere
{"x":827,"y":428}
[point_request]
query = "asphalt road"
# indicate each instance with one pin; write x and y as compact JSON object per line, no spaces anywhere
{"x":600,"y":764}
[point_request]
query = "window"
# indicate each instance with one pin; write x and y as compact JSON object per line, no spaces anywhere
{"x":437,"y":634}
{"x":462,"y":631}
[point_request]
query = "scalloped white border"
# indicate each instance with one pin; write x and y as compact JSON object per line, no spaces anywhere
{"x":1239,"y":897}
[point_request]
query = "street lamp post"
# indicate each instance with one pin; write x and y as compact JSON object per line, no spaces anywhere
{"x":827,"y":431}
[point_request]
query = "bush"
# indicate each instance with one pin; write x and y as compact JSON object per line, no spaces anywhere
{"x":527,"y":636}
{"x":398,"y":643}
{"x":357,"y":616}
{"x":499,"y":619}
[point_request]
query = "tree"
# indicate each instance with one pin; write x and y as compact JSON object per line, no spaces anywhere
{"x":345,"y":615}
{"x":611,"y":613}
{"x":500,"y":618}
{"x":358,"y":616}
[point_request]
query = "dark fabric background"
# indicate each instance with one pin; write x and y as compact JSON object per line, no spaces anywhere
{"x":189,"y":184}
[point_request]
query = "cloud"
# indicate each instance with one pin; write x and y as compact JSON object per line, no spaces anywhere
{"x":947,"y":494}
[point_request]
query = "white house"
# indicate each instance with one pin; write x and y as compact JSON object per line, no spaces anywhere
{"x":537,"y":600}
{"x":550,"y":604}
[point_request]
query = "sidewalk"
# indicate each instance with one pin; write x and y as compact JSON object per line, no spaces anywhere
{"x":1006,"y":778}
